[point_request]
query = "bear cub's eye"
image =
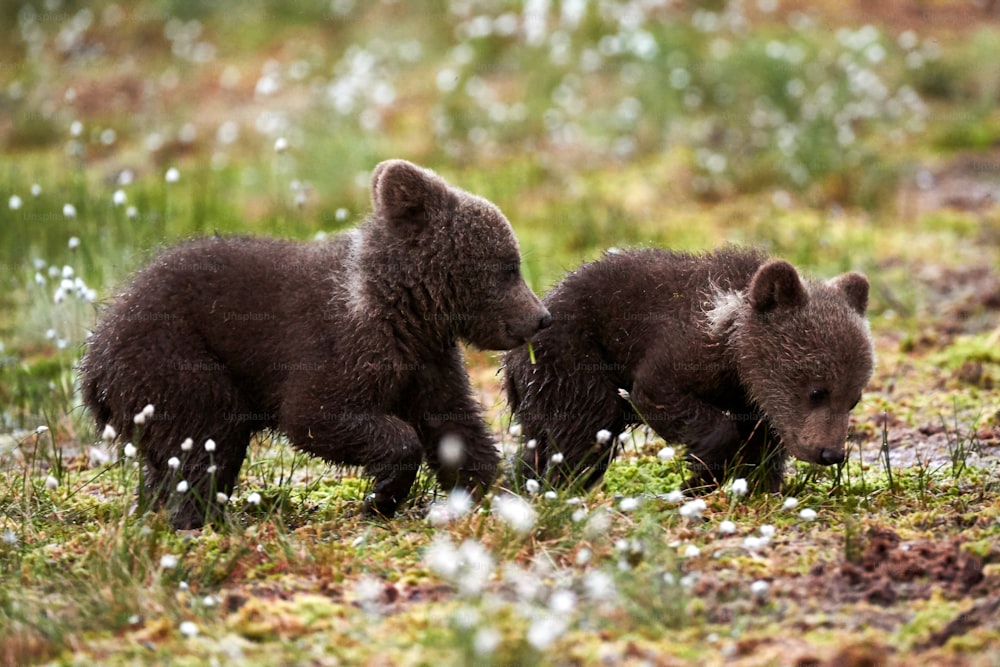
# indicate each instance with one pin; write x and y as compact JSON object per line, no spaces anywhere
{"x":818,"y":397}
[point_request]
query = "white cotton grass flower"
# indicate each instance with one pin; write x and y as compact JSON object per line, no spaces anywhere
{"x":727,"y":527}
{"x":693,"y":509}
{"x":807,"y":514}
{"x":676,"y":497}
{"x":119,"y":198}
{"x":514,"y":430}
{"x":790,"y":503}
{"x":516,"y":512}
{"x":221,"y":498}
{"x":457,"y":505}
{"x":51,"y":483}
{"x":254,"y":498}
{"x":132,"y":212}
{"x":14,"y":202}
{"x":210,"y":445}
{"x":767,"y":530}
{"x":172,"y":175}
{"x":36,"y":189}
{"x":187,"y":445}
{"x":666,"y":454}
{"x":760,"y":588}
{"x":603,"y":436}
{"x":739,"y":487}
{"x":532,"y":486}
{"x":73,"y":243}
{"x":98,"y":457}
{"x":755,"y":543}
{"x":486,"y":641}
{"x":168,"y":561}
{"x":69,"y":211}
{"x":451,"y":451}
{"x":556,"y":458}
{"x":173,"y":463}
{"x":189,"y":629}
{"x":545,"y":630}
{"x":280,"y":145}
{"x":211,"y":469}
{"x":629,"y":504}
{"x":130,"y":450}
{"x":562,"y":601}
{"x":9,"y":537}
{"x":624,"y":393}
{"x":109,"y":433}
{"x":691,"y":551}
{"x":182,"y":486}
{"x":531,"y":444}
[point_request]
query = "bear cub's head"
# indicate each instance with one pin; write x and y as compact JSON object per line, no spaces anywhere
{"x":449,"y":259}
{"x":805,"y":354}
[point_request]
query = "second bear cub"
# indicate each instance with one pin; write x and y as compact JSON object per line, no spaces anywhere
{"x":346,"y":346}
{"x":729,"y":353}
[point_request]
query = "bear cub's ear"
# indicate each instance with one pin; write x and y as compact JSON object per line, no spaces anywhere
{"x":855,"y":288}
{"x":405,"y":195}
{"x":777,"y":285}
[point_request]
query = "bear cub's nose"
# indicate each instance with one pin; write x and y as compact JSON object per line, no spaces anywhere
{"x":831,"y":456}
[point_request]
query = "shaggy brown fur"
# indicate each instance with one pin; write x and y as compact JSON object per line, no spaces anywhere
{"x":729,"y":353}
{"x":346,"y":346}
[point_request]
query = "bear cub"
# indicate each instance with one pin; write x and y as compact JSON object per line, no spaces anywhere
{"x":347,"y":346}
{"x":730,"y":353}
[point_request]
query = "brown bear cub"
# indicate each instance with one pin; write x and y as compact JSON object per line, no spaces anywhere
{"x":347,"y":346}
{"x":729,"y":353}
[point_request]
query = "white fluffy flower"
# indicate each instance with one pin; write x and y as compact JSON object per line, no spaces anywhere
{"x":174,"y":463}
{"x":280,"y":145}
{"x":189,"y":629}
{"x":187,"y":445}
{"x":451,"y":451}
{"x":603,"y":436}
{"x":727,"y":527}
{"x":168,"y":561}
{"x":51,"y":483}
{"x":556,"y":458}
{"x":172,"y":175}
{"x":109,"y":433}
{"x":182,"y":486}
{"x":739,"y":487}
{"x":790,"y":503}
{"x":210,"y":445}
{"x":254,"y":498}
{"x":221,"y":498}
{"x":14,"y":202}
{"x":691,"y":551}
{"x":532,"y":486}
{"x":666,"y":454}
{"x":759,"y":588}
{"x":693,"y":508}
{"x":628,"y":504}
{"x":69,"y":210}
{"x":119,"y":198}
{"x":676,"y":497}
{"x":807,"y":514}
{"x":516,"y":512}
{"x":129,"y":450}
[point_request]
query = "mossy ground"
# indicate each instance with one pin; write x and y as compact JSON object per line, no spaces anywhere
{"x":656,"y":126}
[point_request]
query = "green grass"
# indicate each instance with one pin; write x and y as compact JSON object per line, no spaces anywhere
{"x":586,"y":140}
